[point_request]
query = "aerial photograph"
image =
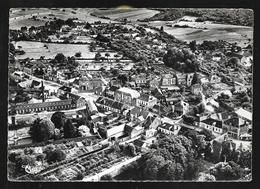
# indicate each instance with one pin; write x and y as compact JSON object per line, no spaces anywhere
{"x":130,"y":94}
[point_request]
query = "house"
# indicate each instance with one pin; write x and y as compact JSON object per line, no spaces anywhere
{"x":181,"y":79}
{"x":133,"y":131}
{"x":152,"y":122}
{"x":64,"y":90}
{"x":168,"y":80}
{"x":115,"y":131}
{"x":145,"y":100}
{"x":91,"y":107}
{"x":181,"y":107}
{"x":99,"y":90}
{"x":173,"y":98}
{"x":213,"y":78}
{"x":154,"y":82}
{"x":126,"y":95}
{"x":77,"y":101}
{"x":235,"y":127}
{"x":140,"y":80}
{"x":189,"y":79}
{"x":88,"y":84}
{"x":212,"y":125}
{"x":140,"y":144}
{"x":149,"y":133}
{"x":244,"y":114}
{"x":110,"y":92}
{"x":169,"y":129}
{"x":110,"y":105}
{"x":196,"y":89}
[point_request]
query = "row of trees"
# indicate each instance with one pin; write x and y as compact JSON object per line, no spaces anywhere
{"x":182,"y":60}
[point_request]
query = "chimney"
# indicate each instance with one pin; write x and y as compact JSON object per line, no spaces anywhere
{"x":42,"y":91}
{"x":13,"y":120}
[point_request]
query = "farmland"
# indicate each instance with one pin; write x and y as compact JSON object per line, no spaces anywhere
{"x":19,"y":18}
{"x":201,"y":31}
{"x":130,"y":14}
{"x":36,"y":50}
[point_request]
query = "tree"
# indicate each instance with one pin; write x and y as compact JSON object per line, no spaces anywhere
{"x":78,"y":54}
{"x":193,"y":45}
{"x":60,"y":58}
{"x":58,"y":118}
{"x":42,"y":130}
{"x":122,"y":78}
{"x":167,"y":171}
{"x":87,"y":26}
{"x":69,"y":130}
{"x":55,"y":156}
{"x":97,"y":56}
{"x":107,"y":55}
{"x":152,"y":167}
{"x":106,"y":177}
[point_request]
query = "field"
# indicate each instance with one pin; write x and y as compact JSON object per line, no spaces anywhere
{"x":19,"y":18}
{"x":201,"y":31}
{"x":36,"y":50}
{"x":130,"y":14}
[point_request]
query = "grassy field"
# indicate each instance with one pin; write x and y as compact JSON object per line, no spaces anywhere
{"x":130,"y":14}
{"x":19,"y":18}
{"x":201,"y":31}
{"x":36,"y":50}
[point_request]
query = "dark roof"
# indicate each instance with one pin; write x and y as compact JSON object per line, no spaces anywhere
{"x":144,"y":97}
{"x":64,"y":88}
{"x":113,"y":88}
{"x":233,"y":122}
{"x":136,"y":110}
{"x":138,"y":143}
{"x":210,"y":121}
{"x":128,"y":129}
{"x":166,"y":126}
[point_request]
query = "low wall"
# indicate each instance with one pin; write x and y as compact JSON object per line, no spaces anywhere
{"x":113,"y":171}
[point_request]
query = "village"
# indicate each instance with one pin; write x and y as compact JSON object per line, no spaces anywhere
{"x":118,"y":95}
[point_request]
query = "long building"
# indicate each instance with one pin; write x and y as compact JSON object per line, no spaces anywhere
{"x":25,"y":108}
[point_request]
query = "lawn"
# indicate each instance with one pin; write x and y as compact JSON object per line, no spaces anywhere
{"x":36,"y":50}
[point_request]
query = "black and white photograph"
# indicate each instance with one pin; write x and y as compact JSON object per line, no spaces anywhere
{"x":130,"y":94}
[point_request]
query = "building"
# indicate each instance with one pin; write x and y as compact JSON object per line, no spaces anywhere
{"x":244,"y":114}
{"x":25,"y":108}
{"x":133,"y":131}
{"x":140,"y":80}
{"x":181,"y":79}
{"x":154,"y":82}
{"x":212,"y":125}
{"x":126,"y":95}
{"x":213,"y":78}
{"x":168,"y":80}
{"x":110,"y":92}
{"x":196,"y":89}
{"x":64,"y":90}
{"x":189,"y":79}
{"x":181,"y":107}
{"x":152,"y":122}
{"x":145,"y":100}
{"x":169,"y":129}
{"x":91,"y":107}
{"x":110,"y":105}
{"x":235,"y":127}
{"x":89,"y":84}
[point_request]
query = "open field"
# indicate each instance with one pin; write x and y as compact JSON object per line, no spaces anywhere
{"x":36,"y":50}
{"x":19,"y":18}
{"x":201,"y":31}
{"x":131,"y":14}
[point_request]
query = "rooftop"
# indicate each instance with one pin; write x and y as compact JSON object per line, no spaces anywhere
{"x":132,"y":92}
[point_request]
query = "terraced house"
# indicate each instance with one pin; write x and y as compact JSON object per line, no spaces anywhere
{"x":126,"y":95}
